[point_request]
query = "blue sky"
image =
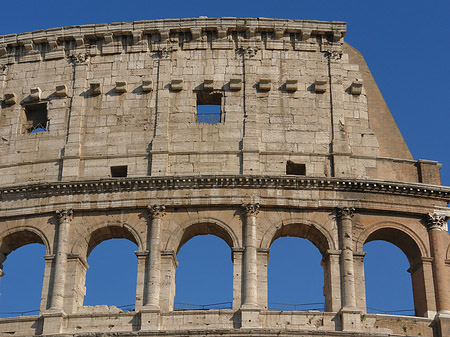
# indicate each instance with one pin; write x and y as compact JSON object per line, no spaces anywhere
{"x":406,"y":45}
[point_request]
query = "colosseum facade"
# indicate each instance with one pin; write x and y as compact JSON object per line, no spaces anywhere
{"x":103,"y":136}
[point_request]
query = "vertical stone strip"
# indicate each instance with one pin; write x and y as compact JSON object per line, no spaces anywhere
{"x":436,"y":230}
{"x":347,"y":270}
{"x":59,"y":275}
{"x":155,"y":213}
{"x":250,"y":282}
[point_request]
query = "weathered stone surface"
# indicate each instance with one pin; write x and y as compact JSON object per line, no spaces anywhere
{"x":303,"y":145}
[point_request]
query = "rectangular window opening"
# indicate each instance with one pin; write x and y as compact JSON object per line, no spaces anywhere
{"x":36,"y":119}
{"x":119,"y":171}
{"x":295,"y":169}
{"x":209,"y":108}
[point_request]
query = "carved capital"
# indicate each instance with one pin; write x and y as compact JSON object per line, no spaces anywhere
{"x":345,"y":212}
{"x":435,"y":221}
{"x":80,"y":58}
{"x":165,"y":51}
{"x":65,"y":215}
{"x":248,"y":52}
{"x":251,"y":209}
{"x":156,"y":211}
{"x":333,"y":55}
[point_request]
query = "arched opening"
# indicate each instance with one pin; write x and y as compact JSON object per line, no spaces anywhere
{"x":111,"y":277}
{"x":295,"y":276}
{"x":388,"y":283}
{"x":394,"y":273}
{"x":204,"y":277}
{"x":23,"y":265}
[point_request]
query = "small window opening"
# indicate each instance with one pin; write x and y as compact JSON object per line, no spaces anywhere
{"x":36,"y":119}
{"x":119,"y":171}
{"x":209,"y":107}
{"x":296,"y":169}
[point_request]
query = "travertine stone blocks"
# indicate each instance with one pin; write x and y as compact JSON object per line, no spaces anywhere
{"x":61,"y":90}
{"x":320,"y":85}
{"x":147,"y":85}
{"x":121,"y":87}
{"x":176,"y":84}
{"x":10,"y":98}
{"x":356,"y":87}
{"x":235,"y":83}
{"x":35,"y":94}
{"x":95,"y":88}
{"x":291,"y":85}
{"x":265,"y":84}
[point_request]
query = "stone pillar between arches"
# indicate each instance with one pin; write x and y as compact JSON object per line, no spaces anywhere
{"x":360,"y":281}
{"x":75,"y":283}
{"x":423,"y":287}
{"x":237,"y":277}
{"x":140,"y":280}
{"x":332,"y":280}
{"x":169,"y":265}
{"x":262,"y":262}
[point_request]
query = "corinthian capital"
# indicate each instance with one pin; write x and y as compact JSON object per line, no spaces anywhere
{"x":251,"y":209}
{"x":345,"y":212}
{"x":435,"y":221}
{"x":156,"y":211}
{"x":64,"y":215}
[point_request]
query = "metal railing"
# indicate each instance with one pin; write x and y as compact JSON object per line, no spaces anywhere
{"x":179,"y":306}
{"x":210,"y":118}
{"x":320,"y":306}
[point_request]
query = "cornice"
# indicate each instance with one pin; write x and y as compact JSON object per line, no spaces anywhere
{"x":118,"y":185}
{"x":163,"y":35}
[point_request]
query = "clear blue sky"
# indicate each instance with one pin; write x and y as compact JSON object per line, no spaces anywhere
{"x":406,"y":45}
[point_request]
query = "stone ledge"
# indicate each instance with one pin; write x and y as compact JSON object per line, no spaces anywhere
{"x":224,"y":181}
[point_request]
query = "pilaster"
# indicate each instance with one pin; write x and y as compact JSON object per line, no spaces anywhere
{"x":436,"y":226}
{"x":250,"y":308}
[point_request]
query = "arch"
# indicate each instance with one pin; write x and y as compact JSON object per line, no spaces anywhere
{"x":300,"y":228}
{"x":103,"y":232}
{"x":201,"y":226}
{"x":448,"y":252}
{"x":14,"y":238}
{"x":397,"y":234}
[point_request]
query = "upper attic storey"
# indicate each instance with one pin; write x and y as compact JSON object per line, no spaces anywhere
{"x":203,"y":96}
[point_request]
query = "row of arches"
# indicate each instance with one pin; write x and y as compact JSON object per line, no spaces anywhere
{"x":103,"y":237}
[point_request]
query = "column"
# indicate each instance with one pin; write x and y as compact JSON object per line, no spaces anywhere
{"x":150,"y":312}
{"x":53,"y":318}
{"x":153,"y":284}
{"x":350,"y":315}
{"x":250,"y":281}
{"x":59,"y":271}
{"x":249,"y":308}
{"x":346,"y":244}
{"x":436,"y":226}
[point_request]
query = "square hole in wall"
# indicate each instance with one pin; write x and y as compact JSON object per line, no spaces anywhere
{"x":36,"y":119}
{"x":295,"y":169}
{"x":119,"y":171}
{"x":209,"y":107}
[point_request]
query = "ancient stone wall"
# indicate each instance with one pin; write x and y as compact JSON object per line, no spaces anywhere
{"x":102,"y":137}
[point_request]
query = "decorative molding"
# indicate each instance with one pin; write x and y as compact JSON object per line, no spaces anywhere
{"x":251,"y":209}
{"x":436,"y":221}
{"x":345,"y":212}
{"x":156,"y":211}
{"x":112,"y":185}
{"x":65,"y":215}
{"x":80,"y":58}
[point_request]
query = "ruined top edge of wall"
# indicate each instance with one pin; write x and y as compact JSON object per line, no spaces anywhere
{"x":279,"y":26}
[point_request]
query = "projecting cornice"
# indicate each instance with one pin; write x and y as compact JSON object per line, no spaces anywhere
{"x":53,"y":43}
{"x":226,"y":181}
